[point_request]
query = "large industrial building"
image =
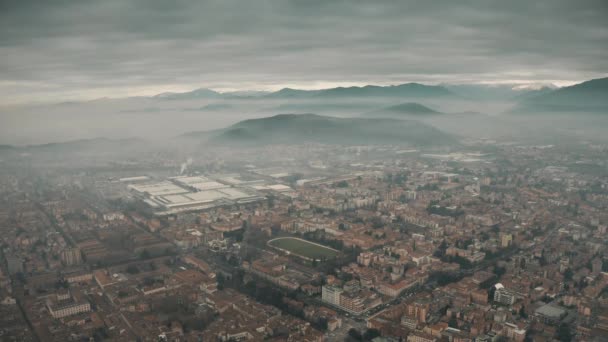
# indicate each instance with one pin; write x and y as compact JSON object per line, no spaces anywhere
{"x":190,"y":193}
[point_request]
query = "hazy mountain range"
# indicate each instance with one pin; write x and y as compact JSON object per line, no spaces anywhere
{"x":312,"y":128}
{"x":402,"y":90}
{"x":404,"y":110}
{"x":590,"y":96}
{"x":444,"y":107}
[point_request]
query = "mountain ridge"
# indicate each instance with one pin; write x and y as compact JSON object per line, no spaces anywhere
{"x":406,"y":109}
{"x":588,"y":96}
{"x":302,"y":128}
{"x":411,"y":89}
{"x":401,"y":90}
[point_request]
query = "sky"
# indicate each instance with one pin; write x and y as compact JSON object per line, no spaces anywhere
{"x":78,"y":50}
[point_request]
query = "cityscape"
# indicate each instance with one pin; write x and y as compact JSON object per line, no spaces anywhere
{"x":298,"y":193}
{"x":506,"y":242}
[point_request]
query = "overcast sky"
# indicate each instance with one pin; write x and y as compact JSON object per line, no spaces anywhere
{"x":80,"y":49}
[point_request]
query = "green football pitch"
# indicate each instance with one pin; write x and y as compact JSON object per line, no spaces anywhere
{"x":303,"y":248}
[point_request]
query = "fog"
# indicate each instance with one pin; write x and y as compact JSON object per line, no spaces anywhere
{"x":157,"y":119}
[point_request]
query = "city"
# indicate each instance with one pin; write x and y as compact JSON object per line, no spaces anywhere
{"x":482,"y":243}
{"x":304,"y":171}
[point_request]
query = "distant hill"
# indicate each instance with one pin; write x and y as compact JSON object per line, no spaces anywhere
{"x":412,"y":90}
{"x":589,"y":96}
{"x":201,"y":93}
{"x":302,"y":128}
{"x":246,"y":93}
{"x":321,"y":106}
{"x":532,"y":93}
{"x":212,"y":107}
{"x":85,"y":145}
{"x":410,"y":109}
{"x":289,"y":93}
{"x":497,"y":92}
{"x":80,"y":145}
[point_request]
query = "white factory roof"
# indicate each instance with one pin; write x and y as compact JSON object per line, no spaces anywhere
{"x":190,"y":180}
{"x":134,"y":179}
{"x":279,"y":187}
{"x":158,"y":189}
{"x":279,"y":175}
{"x":210,"y":185}
{"x":273,"y":187}
{"x":233,"y":180}
{"x":192,"y":193}
{"x":234,"y":193}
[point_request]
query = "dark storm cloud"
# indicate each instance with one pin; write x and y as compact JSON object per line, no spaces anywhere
{"x":113,"y":47}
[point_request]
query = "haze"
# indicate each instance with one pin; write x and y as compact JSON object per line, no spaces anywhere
{"x":304,"y":170}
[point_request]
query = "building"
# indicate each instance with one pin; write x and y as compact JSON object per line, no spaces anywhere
{"x":365,"y":258}
{"x":550,"y":314}
{"x":506,"y":240}
{"x":14,"y":264}
{"x":419,"y":336}
{"x":114,"y":216}
{"x":418,"y":310}
{"x":596,"y":266}
{"x":409,"y":322}
{"x":503,"y":296}
{"x":78,"y":277}
{"x":65,"y":304}
{"x":396,"y":289}
{"x":514,"y":333}
{"x":71,"y":256}
{"x":331,"y":294}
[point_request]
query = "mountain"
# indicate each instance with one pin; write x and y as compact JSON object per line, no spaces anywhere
{"x":321,"y":106}
{"x":589,"y":96}
{"x":212,"y":107}
{"x":85,"y":146}
{"x":404,"y":109}
{"x":497,"y":92}
{"x":531,"y":93}
{"x":402,"y":90}
{"x":303,"y":128}
{"x":246,"y":93}
{"x":82,"y":145}
{"x":201,"y":93}
{"x":289,"y":93}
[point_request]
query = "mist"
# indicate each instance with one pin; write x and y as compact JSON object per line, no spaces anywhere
{"x":285,"y":170}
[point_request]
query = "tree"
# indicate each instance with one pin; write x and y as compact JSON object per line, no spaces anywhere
{"x":132,"y":269}
{"x":371,"y":334}
{"x":100,"y":334}
{"x":144,"y":254}
{"x":568,"y":274}
{"x":522,"y":312}
{"x":453,"y":322}
{"x":377,"y":222}
{"x":354,"y":334}
{"x":499,"y":271}
{"x":220,"y":281}
{"x":563,"y":333}
{"x":270,"y":201}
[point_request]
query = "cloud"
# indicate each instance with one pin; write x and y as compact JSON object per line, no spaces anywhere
{"x":60,"y":49}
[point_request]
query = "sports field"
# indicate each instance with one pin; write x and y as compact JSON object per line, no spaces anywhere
{"x":302,"y":248}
